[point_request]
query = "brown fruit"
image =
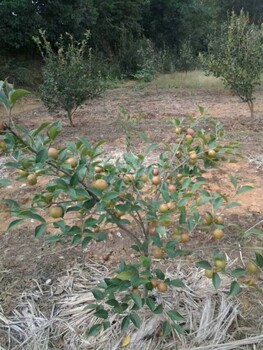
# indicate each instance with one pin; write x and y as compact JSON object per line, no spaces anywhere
{"x":154,"y":282}
{"x":2,"y":126}
{"x":32,"y":179}
{"x":144,"y":178}
{"x":53,"y":153}
{"x":219,"y":220}
{"x":252,"y":268}
{"x":162,"y":287}
{"x":221,"y":264}
{"x":99,"y":184}
{"x":209,"y":273}
{"x":171,"y":206}
{"x":179,"y":154}
{"x":151,"y":231}
{"x":56,"y":211}
{"x":136,"y":291}
{"x":72,"y":162}
{"x":156,"y":180}
{"x":188,"y":137}
{"x":193,"y":155}
{"x":128,"y":178}
{"x":190,"y":132}
{"x":163,"y":208}
{"x":158,"y":253}
{"x":218,"y":234}
{"x":2,"y":144}
{"x":139,"y":185}
{"x":179,"y":176}
{"x":155,"y":171}
{"x":208,"y":220}
{"x":192,"y":161}
{"x":119,"y":213}
{"x":211,"y":153}
{"x":171,"y":188}
{"x":22,"y":172}
{"x":178,"y":131}
{"x":185,"y":238}
{"x":98,"y":169}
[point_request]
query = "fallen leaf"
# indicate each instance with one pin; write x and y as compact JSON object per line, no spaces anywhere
{"x":126,"y":341}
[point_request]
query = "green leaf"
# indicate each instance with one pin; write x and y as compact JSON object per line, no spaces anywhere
{"x":4,"y":182}
{"x":259,"y":260}
{"x":86,"y":242}
{"x":233,"y":181}
{"x":125,"y":323}
{"x":96,"y":328}
{"x":135,"y":319}
{"x":90,"y":307}
{"x":110,"y":195}
{"x":177,"y":283}
{"x":137,"y":299}
{"x":217,"y":202}
{"x":42,"y":156}
{"x":175,"y":316}
{"x":106,"y":325}
{"x":244,"y":189}
{"x":126,"y":275}
{"x":39,"y":129}
{"x":204,"y":265}
{"x":234,"y":289}
{"x":238,"y":272}
{"x":216,"y":280}
{"x":40,"y":230}
{"x":151,"y":148}
{"x":98,"y":295}
{"x":17,"y":95}
{"x":150,"y":303}
{"x":74,"y":180}
{"x":29,"y":215}
{"x":159,"y":274}
{"x":14,"y":223}
{"x":166,"y":328}
{"x":12,"y":204}
{"x":102,"y":313}
{"x":232,"y":205}
{"x":112,"y":302}
{"x":4,"y":101}
{"x":178,"y":328}
{"x":158,"y":310}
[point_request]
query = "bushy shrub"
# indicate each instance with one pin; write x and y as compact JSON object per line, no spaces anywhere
{"x":235,"y":55}
{"x":70,"y":75}
{"x":158,"y":206}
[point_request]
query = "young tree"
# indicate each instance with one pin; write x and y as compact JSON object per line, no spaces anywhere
{"x":235,"y":55}
{"x":157,"y":206}
{"x":68,"y":77}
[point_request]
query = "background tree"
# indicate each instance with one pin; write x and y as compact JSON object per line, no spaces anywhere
{"x":235,"y":55}
{"x":68,"y":78}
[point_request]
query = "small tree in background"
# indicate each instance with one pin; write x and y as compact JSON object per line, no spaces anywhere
{"x":236,"y":56}
{"x":68,"y":78}
{"x":186,"y":60}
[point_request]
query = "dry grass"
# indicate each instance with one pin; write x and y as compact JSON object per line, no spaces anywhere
{"x":211,"y":318}
{"x":191,"y":80}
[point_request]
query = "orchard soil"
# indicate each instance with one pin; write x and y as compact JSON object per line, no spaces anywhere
{"x":25,"y":261}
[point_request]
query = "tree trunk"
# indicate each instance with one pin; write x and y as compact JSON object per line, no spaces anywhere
{"x":251,"y":108}
{"x":70,"y":118}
